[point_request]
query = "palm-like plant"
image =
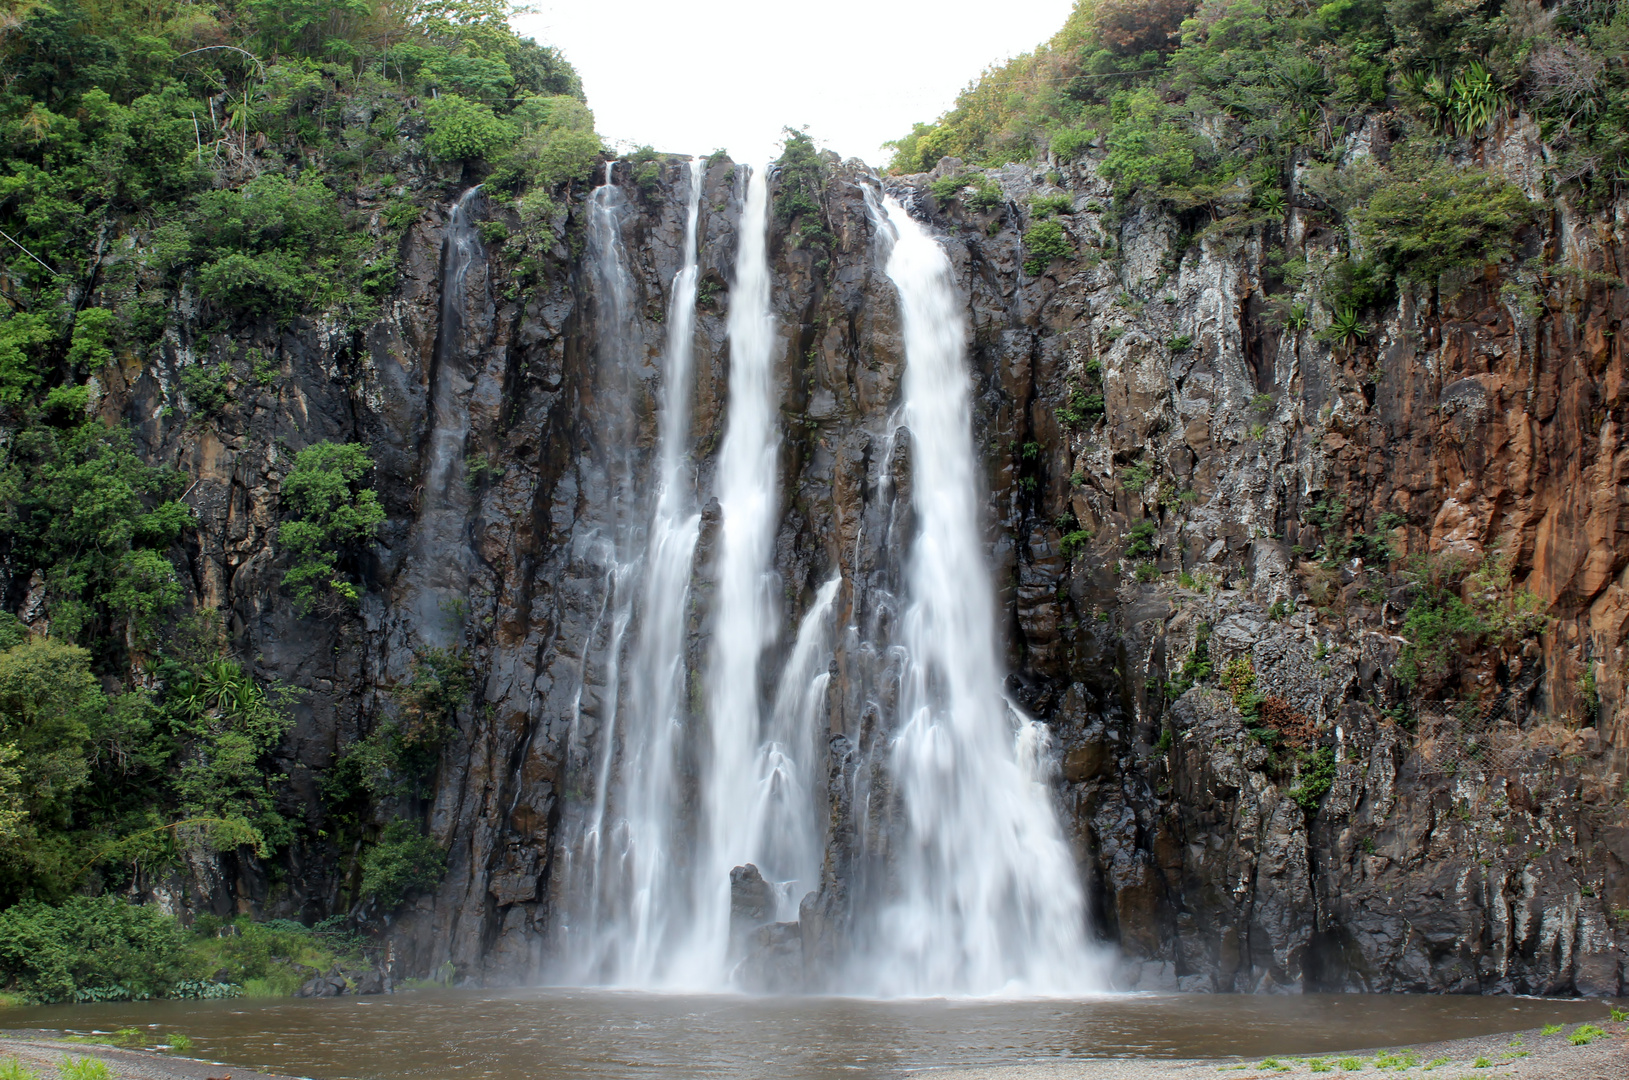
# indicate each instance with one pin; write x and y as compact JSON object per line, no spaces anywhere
{"x":1346,"y":328}
{"x":1474,"y":101}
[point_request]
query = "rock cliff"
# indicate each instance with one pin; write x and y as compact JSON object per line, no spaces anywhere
{"x":1201,"y":514}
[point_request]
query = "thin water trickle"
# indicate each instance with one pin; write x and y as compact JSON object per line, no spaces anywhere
{"x":438,"y":576}
{"x":986,"y":896}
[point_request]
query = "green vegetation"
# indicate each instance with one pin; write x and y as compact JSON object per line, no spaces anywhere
{"x":1461,"y":606}
{"x":1584,"y":1034}
{"x":269,"y":959}
{"x":1045,"y":241}
{"x":106,"y":949}
{"x":1142,"y":538}
{"x":798,"y":197}
{"x":1551,"y":1029}
{"x":1085,"y":403}
{"x":86,"y":944}
{"x":168,"y":168}
{"x":85,"y":1068}
{"x":402,"y":862}
{"x":331,"y":513}
{"x":1204,"y":111}
{"x":1317,"y":776}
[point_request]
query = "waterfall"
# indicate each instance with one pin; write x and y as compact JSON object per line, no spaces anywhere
{"x":438,"y":579}
{"x":649,"y":785}
{"x":745,"y":612}
{"x":986,"y":896}
{"x":593,"y":850}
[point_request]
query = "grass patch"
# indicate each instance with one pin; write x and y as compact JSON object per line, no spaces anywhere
{"x":1584,"y":1034}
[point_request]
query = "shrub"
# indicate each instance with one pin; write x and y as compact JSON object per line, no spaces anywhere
{"x":1045,"y":241}
{"x":1142,"y":540}
{"x":331,"y":511}
{"x":461,"y":129}
{"x":1070,"y":143}
{"x":400,"y":862}
{"x":53,"y":953}
{"x":1044,"y":206}
{"x":205,"y":386}
{"x":275,"y":247}
{"x":1083,"y":407}
{"x":269,"y":958}
{"x":1147,"y":572}
{"x":1317,"y":777}
{"x":1146,"y":150}
{"x":983,"y":195}
{"x":1428,"y":220}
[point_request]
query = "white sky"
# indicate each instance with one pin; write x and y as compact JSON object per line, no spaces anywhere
{"x":689,"y":78}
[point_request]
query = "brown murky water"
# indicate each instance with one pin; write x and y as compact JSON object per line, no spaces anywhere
{"x":602,"y":1035}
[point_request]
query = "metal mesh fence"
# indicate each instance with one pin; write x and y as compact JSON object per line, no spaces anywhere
{"x":1469,"y":741}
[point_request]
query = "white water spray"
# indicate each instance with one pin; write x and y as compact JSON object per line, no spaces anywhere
{"x":987,"y":898}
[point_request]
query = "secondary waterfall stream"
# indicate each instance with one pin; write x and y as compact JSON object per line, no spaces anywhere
{"x":438,"y":573}
{"x":987,"y":898}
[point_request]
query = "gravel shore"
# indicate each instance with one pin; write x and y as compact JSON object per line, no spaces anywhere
{"x":1526,"y":1055}
{"x":41,"y":1051}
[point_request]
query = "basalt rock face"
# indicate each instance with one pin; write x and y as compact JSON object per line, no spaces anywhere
{"x":1482,"y":851}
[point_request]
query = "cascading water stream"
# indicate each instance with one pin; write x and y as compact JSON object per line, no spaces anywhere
{"x":744,"y":618}
{"x":439,"y":572}
{"x":987,"y":898}
{"x":784,"y":816}
{"x":648,"y":786}
{"x":591,"y":853}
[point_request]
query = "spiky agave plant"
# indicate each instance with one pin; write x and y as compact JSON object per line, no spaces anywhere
{"x":1346,"y":328}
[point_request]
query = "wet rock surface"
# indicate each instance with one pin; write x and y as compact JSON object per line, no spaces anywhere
{"x":1477,"y":425}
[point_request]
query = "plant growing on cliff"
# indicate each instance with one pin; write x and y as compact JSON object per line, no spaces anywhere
{"x":461,"y":129}
{"x":402,"y":861}
{"x":1045,"y":241}
{"x":332,"y":513}
{"x":802,"y":180}
{"x":95,"y":521}
{"x":1460,"y":606}
{"x":1316,"y":775}
{"x":1142,"y":538}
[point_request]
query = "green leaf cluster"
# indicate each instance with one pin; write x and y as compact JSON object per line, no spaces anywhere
{"x":403,"y":861}
{"x":331,"y":513}
{"x":53,"y":953}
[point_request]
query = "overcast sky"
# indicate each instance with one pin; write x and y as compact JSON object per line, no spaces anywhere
{"x":690,"y":78}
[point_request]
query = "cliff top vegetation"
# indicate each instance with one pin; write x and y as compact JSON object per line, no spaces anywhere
{"x":1188,"y":98}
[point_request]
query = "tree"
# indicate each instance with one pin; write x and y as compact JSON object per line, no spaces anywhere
{"x":332,"y":511}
